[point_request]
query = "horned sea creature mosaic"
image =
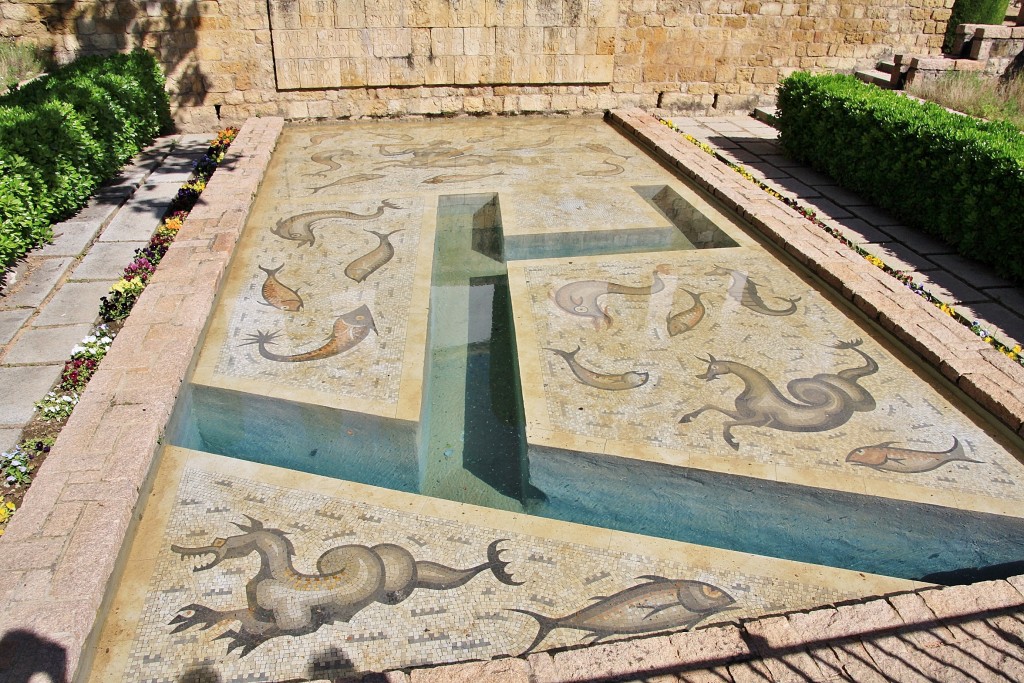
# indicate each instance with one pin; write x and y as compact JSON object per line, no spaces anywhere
{"x":722,"y":359}
{"x":378,"y":589}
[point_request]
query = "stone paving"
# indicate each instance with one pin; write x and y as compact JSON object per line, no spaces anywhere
{"x":58,"y":564}
{"x":51,"y":299}
{"x":967,"y":285}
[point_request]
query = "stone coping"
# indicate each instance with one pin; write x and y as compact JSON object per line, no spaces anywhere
{"x":62,"y":550}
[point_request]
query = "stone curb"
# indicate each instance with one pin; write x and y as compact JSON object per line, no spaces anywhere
{"x":64,"y":544}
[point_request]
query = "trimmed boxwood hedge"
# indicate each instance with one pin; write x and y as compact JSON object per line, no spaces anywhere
{"x":64,"y":134}
{"x":973,"y":12}
{"x":952,"y":176}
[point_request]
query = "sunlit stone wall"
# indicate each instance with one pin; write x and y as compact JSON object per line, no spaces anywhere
{"x":351,"y":58}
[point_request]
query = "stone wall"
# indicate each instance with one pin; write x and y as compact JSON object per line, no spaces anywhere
{"x":444,"y":57}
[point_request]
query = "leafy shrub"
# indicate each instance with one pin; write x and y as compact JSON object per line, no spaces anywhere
{"x":63,"y":135}
{"x":973,"y":12}
{"x":949,"y":175}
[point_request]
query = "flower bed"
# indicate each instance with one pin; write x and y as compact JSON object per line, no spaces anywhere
{"x":53,"y":410}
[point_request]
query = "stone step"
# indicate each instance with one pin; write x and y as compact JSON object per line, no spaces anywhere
{"x":879,"y":78}
{"x":886,"y":66}
{"x":766,"y":114}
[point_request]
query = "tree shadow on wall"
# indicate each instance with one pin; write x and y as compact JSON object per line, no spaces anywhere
{"x":168,"y":29}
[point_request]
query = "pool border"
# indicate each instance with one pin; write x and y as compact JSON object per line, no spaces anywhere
{"x":60,"y":555}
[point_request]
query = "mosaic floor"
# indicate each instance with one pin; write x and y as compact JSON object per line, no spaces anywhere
{"x":727,"y":362}
{"x":265,"y":574}
{"x":649,"y":328}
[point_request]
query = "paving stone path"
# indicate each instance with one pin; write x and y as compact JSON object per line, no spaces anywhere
{"x":972,"y":288}
{"x":51,"y":299}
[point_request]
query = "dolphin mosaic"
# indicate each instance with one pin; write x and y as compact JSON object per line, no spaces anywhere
{"x":885,"y":458}
{"x":459,"y":177}
{"x":277,"y":294}
{"x":598,"y":380}
{"x":299,"y":228}
{"x":744,"y":291}
{"x":349,"y":329}
{"x":615,"y":169}
{"x":283,"y":601}
{"x":604,"y":149}
{"x":620,"y":382}
{"x":327,"y":159}
{"x":581,"y":297}
{"x":367,"y":264}
{"x":349,"y":180}
{"x":659,"y":605}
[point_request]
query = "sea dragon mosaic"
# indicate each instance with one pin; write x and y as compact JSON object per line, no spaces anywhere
{"x":283,"y":601}
{"x":823,"y":402}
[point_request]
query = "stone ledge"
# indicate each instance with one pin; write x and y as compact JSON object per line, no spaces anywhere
{"x":101,"y":460}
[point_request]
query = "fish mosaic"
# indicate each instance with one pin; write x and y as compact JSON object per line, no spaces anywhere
{"x":743,"y":290}
{"x":299,"y":228}
{"x":349,"y":329}
{"x":350,"y":180}
{"x":615,"y":169}
{"x":283,"y":601}
{"x":885,"y":458}
{"x":661,"y":604}
{"x":459,"y":177}
{"x":687,"y":319}
{"x":278,"y":295}
{"x":823,"y":402}
{"x":372,"y":261}
{"x":581,"y":297}
{"x":598,"y":380}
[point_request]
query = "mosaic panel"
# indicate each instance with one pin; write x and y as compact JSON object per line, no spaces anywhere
{"x":318,"y":296}
{"x":725,"y":360}
{"x":236,"y":586}
{"x":468,"y":155}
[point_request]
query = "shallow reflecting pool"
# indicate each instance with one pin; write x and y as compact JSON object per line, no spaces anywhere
{"x":468,"y":380}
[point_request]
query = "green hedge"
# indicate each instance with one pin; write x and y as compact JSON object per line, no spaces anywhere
{"x":952,"y":176}
{"x":973,"y":12}
{"x":64,"y":134}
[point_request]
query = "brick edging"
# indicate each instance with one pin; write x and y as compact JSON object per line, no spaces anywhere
{"x":799,"y":641}
{"x":59,"y":553}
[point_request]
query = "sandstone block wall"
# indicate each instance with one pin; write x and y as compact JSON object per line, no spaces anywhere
{"x":231,"y":59}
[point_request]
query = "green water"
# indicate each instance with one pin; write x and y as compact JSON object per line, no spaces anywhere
{"x":470,"y":444}
{"x":473,"y":443}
